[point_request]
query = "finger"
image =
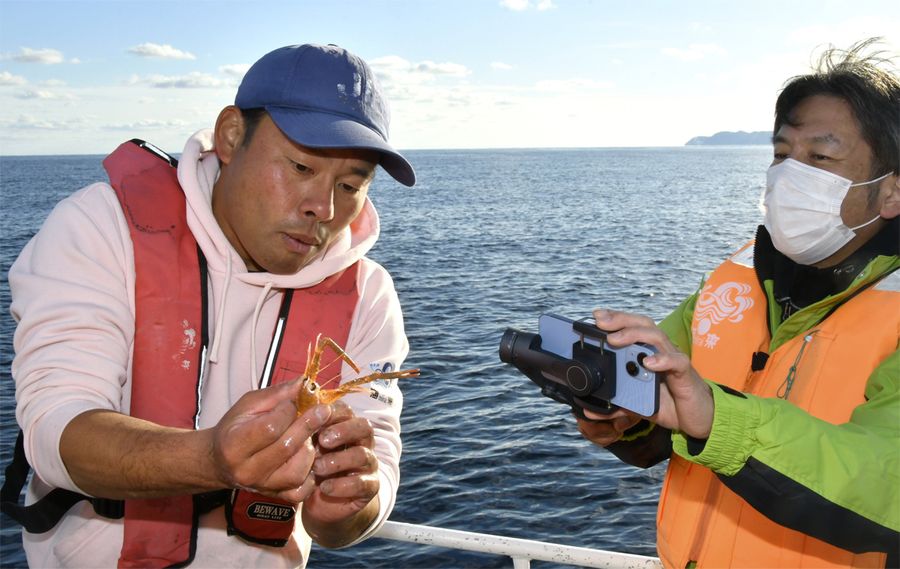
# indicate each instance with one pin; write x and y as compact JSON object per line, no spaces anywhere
{"x":354,"y":431}
{"x":353,"y":487}
{"x":294,"y":471}
{"x":262,"y":400}
{"x":650,"y":335}
{"x":598,"y":433}
{"x":358,"y":459}
{"x":340,"y":412}
{"x":671,"y":360}
{"x":605,"y":417}
{"x":296,"y":439}
{"x":607,"y":319}
{"x":239,"y":437}
{"x":299,"y":494}
{"x":596,"y":429}
{"x":259,"y":417}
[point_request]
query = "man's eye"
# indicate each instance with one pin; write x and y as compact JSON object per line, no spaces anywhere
{"x":348,"y":188}
{"x":300,"y":167}
{"x":820,"y":157}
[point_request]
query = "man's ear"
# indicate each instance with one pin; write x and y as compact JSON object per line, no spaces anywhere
{"x":891,"y":206}
{"x":229,"y":133}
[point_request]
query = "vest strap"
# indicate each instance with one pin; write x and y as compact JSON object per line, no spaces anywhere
{"x":43,"y":514}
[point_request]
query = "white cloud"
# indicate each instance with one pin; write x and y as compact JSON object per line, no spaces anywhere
{"x":164,"y":51}
{"x":515,"y":5}
{"x":571,"y":85}
{"x":27,"y":122}
{"x":7,"y":78}
{"x":694,"y":52}
{"x":53,"y":83}
{"x":146,"y":125}
{"x":522,"y":5}
{"x":235,"y":69}
{"x":28,"y":55}
{"x":501,"y":65}
{"x":395,"y":72}
{"x":194,"y":80}
{"x":432,"y":68}
{"x":30,"y":94}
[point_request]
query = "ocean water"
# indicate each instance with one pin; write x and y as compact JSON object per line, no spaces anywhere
{"x":490,"y":239}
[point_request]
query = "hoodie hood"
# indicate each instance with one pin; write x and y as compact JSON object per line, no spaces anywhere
{"x":198,"y":170}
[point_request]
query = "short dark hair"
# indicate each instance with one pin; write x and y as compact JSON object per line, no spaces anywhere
{"x":868,"y":83}
{"x":252,"y":118}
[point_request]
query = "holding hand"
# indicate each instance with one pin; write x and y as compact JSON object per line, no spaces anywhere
{"x":346,"y":472}
{"x":262,"y":445}
{"x":686,"y":403}
{"x":604,"y":430}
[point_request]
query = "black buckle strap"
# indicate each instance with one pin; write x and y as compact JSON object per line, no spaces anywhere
{"x":112,"y":509}
{"x":43,"y":514}
{"x":209,"y":501}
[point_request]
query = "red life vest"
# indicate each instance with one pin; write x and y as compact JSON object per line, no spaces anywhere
{"x":170,"y":299}
{"x":699,"y":518}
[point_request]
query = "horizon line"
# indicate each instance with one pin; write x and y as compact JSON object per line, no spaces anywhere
{"x":461,"y":148}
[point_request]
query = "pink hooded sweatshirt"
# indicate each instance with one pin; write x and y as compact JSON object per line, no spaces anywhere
{"x":73,"y":298}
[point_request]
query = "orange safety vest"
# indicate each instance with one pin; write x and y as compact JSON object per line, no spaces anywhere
{"x":170,"y":299}
{"x":700,"y":519}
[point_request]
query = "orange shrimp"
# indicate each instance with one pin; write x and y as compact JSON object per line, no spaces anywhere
{"x":312,"y":394}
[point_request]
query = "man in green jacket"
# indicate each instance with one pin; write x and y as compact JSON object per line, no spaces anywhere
{"x":780,"y":402}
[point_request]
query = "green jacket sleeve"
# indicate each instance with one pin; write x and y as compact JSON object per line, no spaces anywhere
{"x":838,"y":483}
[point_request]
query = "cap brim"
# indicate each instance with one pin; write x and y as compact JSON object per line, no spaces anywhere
{"x":324,"y":130}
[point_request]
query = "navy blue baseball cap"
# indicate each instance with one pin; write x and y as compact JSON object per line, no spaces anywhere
{"x":323,"y":96}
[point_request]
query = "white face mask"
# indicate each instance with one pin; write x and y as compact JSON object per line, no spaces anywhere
{"x":802,"y":205}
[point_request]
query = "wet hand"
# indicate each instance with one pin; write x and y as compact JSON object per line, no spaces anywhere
{"x":261,"y":444}
{"x":345,"y":470}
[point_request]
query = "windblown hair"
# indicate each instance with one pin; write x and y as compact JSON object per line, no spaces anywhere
{"x":869,"y":84}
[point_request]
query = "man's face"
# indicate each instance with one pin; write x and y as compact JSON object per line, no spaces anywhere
{"x":827,"y":136}
{"x":280,"y":204}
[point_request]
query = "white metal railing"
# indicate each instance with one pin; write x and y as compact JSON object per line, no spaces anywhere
{"x":522,"y":551}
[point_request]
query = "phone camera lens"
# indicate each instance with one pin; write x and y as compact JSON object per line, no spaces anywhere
{"x":632,"y":368}
{"x":640,"y":358}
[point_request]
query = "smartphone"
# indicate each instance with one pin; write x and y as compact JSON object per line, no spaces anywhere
{"x":636,"y":387}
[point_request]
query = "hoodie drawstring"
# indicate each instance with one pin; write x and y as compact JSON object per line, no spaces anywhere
{"x":220,"y":314}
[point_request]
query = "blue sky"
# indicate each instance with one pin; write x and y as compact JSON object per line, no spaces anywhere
{"x":78,"y":77}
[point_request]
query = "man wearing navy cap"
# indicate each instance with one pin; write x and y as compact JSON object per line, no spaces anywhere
{"x":164,"y":318}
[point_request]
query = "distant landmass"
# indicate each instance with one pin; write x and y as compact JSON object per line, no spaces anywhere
{"x":738,"y":138}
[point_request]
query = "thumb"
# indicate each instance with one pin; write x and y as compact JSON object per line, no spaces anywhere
{"x":268,"y":398}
